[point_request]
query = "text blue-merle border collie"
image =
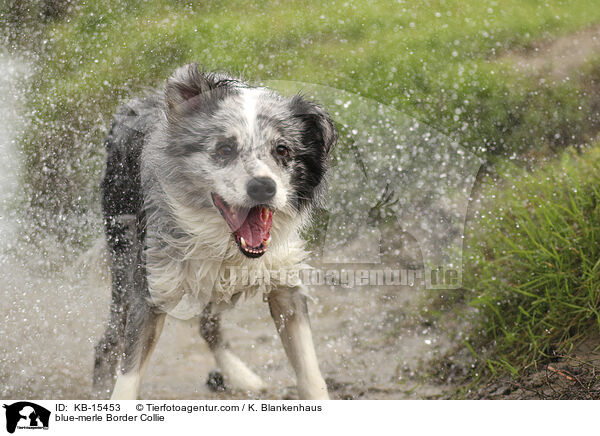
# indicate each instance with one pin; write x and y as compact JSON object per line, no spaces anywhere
{"x":207,"y":175}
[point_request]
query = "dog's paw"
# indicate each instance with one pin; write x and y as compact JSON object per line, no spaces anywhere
{"x":237,"y":375}
{"x":215,"y":382}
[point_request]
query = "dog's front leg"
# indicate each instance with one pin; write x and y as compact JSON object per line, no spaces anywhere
{"x":290,"y":313}
{"x":237,"y":374}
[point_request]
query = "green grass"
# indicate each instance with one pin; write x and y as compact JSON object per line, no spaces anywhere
{"x":431,"y":59}
{"x":533,"y":262}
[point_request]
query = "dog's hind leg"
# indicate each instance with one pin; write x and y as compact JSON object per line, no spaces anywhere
{"x":120,"y":237}
{"x":142,"y":331}
{"x":289,"y":311}
{"x":235,"y":372}
{"x":108,"y":351}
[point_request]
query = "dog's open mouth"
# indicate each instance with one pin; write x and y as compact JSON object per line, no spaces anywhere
{"x":251,"y":227}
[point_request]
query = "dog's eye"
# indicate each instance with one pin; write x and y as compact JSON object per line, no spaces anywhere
{"x":282,"y":150}
{"x":225,"y":150}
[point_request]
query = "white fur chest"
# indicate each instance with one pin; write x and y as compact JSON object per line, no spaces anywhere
{"x":205,"y":266}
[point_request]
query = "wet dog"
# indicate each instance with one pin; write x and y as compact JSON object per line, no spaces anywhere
{"x":203,"y":177}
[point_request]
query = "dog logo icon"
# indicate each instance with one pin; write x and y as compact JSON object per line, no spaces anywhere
{"x":26,"y":415}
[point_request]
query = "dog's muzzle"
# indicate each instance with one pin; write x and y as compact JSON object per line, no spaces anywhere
{"x":251,"y":227}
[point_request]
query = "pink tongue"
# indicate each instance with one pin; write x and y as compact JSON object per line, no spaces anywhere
{"x":256,"y":227}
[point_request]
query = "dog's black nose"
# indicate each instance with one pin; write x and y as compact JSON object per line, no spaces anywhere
{"x":261,"y":188}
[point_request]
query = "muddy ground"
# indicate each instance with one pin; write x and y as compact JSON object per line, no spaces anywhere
{"x":369,"y":342}
{"x":572,"y":377}
{"x":372,"y":343}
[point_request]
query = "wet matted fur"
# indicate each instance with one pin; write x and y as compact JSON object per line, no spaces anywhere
{"x":204,"y":176}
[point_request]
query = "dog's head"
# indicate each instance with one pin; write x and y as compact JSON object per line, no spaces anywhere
{"x":249,"y":152}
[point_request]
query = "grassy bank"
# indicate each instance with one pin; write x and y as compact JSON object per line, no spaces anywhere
{"x":532,"y":263}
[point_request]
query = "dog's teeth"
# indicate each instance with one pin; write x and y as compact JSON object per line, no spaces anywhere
{"x":266,"y":242}
{"x":243,"y":242}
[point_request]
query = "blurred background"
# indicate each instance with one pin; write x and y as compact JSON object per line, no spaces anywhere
{"x":515,"y":84}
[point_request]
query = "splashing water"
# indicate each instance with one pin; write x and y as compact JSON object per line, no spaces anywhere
{"x":9,"y":69}
{"x":52,"y":315}
{"x":41,"y":324}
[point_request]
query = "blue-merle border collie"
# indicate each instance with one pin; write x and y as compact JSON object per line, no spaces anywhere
{"x":204,"y":176}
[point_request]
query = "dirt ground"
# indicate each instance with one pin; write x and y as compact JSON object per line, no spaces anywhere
{"x":372,"y":343}
{"x":361,"y":354}
{"x":557,"y":58}
{"x":368,"y":340}
{"x":573,"y":377}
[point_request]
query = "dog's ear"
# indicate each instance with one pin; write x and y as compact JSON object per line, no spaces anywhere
{"x":189,"y":89}
{"x":319,"y":129}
